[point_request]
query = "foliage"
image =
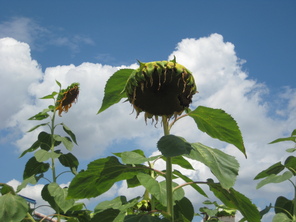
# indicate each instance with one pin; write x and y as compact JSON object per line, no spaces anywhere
{"x":285,"y":209}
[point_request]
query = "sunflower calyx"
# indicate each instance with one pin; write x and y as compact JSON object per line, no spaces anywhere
{"x":66,"y":97}
{"x":160,"y":88}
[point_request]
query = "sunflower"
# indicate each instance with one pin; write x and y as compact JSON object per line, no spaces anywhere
{"x":161,"y":88}
{"x":66,"y":97}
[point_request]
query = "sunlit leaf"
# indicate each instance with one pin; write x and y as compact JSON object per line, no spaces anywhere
{"x":218,"y":124}
{"x":275,"y":179}
{"x":131,"y":157}
{"x":171,"y":146}
{"x":223,"y":166}
{"x":12,"y":208}
{"x":67,"y":142}
{"x":43,"y":155}
{"x":281,"y":217}
{"x":233,"y":199}
{"x":114,"y":87}
{"x":99,"y":177}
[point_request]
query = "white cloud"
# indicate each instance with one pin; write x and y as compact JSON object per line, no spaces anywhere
{"x":222,"y":83}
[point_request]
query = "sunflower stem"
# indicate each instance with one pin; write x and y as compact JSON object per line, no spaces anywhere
{"x":169,"y":180}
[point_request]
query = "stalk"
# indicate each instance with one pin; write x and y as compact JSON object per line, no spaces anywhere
{"x":169,"y":180}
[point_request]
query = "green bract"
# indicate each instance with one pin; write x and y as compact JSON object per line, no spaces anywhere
{"x":162,"y":88}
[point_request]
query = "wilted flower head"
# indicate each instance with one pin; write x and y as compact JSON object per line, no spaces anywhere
{"x":66,"y":97}
{"x":162,"y":88}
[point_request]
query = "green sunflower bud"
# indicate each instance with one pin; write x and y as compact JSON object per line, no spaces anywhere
{"x":162,"y":88}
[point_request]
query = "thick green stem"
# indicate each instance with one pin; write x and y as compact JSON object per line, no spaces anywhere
{"x":169,"y":180}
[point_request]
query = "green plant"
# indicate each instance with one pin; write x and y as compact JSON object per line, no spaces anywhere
{"x":163,"y":90}
{"x":219,"y":211}
{"x":47,"y":151}
{"x":285,"y":209}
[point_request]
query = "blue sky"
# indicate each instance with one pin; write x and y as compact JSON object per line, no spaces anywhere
{"x":247,"y":48}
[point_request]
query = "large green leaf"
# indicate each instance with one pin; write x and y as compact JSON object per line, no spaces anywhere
{"x":274,"y":169}
{"x":69,"y":160}
{"x":275,"y":179}
{"x":171,"y":146}
{"x":114,"y":87}
{"x":99,"y":177}
{"x":222,"y":165}
{"x":131,"y":157}
{"x":184,"y":210}
{"x":218,"y":124}
{"x":158,"y":189}
{"x":34,"y":147}
{"x":67,"y":142}
{"x":12,"y":208}
{"x":33,"y":167}
{"x":43,"y":155}
{"x":107,"y":215}
{"x":45,"y":140}
{"x":233,"y":199}
{"x":69,"y":132}
{"x":290,"y":163}
{"x":281,"y":217}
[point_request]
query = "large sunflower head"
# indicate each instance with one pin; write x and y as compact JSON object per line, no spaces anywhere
{"x":66,"y":97}
{"x":162,"y":88}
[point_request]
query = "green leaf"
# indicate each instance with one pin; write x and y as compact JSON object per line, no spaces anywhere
{"x":45,"y":140}
{"x":291,"y":138}
{"x":12,"y":208}
{"x":69,"y":160}
{"x":131,"y":157}
{"x":114,"y":87}
{"x":181,"y":161}
{"x":189,"y":181}
{"x":33,"y":167}
{"x":158,"y":189}
{"x":5,"y":188}
{"x":222,"y":165}
{"x":284,"y":205}
{"x":59,"y":195}
{"x":99,"y":177}
{"x":218,"y":124}
{"x":43,"y":155}
{"x":67,"y":142}
{"x":107,"y":215}
{"x":291,"y":150}
{"x":275,"y":179}
{"x":290,"y":163}
{"x":41,"y":115}
{"x":281,"y":217}
{"x":171,"y":146}
{"x":184,"y":209}
{"x":233,"y":199}
{"x":51,"y":96}
{"x":59,"y":84}
{"x":34,"y":147}
{"x":35,"y":127}
{"x":32,"y":180}
{"x":274,"y":169}
{"x":70,"y":133}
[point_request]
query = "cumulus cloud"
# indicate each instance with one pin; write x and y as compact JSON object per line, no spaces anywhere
{"x":222,"y":83}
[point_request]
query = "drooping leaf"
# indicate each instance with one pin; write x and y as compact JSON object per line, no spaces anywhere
{"x":99,"y":177}
{"x":275,"y":179}
{"x":158,"y":189}
{"x":233,"y":199}
{"x":188,"y":180}
{"x":34,"y":147}
{"x":284,"y":205}
{"x":69,"y":160}
{"x":222,"y":165}
{"x":274,"y":169}
{"x":12,"y":208}
{"x":171,"y":146}
{"x":114,"y":87}
{"x":33,"y":167}
{"x":70,"y":133}
{"x":218,"y":124}
{"x":67,"y":142}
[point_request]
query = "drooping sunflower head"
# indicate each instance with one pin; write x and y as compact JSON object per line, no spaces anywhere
{"x":162,"y":88}
{"x":66,"y":97}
